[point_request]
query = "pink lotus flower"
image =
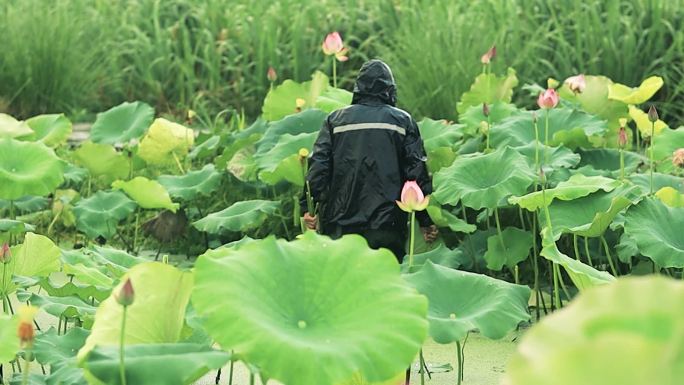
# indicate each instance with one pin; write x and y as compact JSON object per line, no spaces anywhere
{"x":489,"y":55}
{"x":622,"y":137}
{"x":333,"y":45}
{"x":5,"y":254}
{"x":678,"y":157}
{"x":577,"y":84}
{"x":271,"y":75}
{"x":126,"y":294}
{"x":548,"y":99}
{"x":412,"y":198}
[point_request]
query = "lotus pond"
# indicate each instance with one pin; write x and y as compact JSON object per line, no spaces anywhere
{"x":162,"y":250}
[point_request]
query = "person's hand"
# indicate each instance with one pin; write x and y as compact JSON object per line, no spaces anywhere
{"x":429,"y":233}
{"x":311,"y":221}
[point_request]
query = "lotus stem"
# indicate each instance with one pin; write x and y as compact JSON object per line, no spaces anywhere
{"x":610,"y":258}
{"x":122,"y":366}
{"x":586,"y":250}
{"x":498,"y":230}
{"x":556,"y":292}
{"x":562,"y":284}
{"x":535,"y":265}
{"x":334,"y":71}
{"x":135,"y":229}
{"x":652,"y":163}
{"x":459,"y":354}
{"x":522,"y":219}
{"x":27,"y":365}
{"x":421,"y":360}
{"x":546,"y":138}
{"x":251,"y":378}
{"x":576,"y":247}
{"x":470,"y":239}
{"x":5,"y":306}
{"x":549,"y":225}
{"x":412,"y":238}
{"x":230,"y":373}
{"x":536,"y":145}
{"x":178,"y":163}
{"x":622,"y":165}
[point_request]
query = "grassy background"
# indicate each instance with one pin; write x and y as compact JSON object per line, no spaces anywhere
{"x":83,"y":56}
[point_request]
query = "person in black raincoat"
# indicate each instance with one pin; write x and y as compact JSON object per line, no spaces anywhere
{"x":363,"y":155}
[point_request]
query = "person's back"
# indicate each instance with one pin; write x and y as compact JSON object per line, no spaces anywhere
{"x":362,"y":157}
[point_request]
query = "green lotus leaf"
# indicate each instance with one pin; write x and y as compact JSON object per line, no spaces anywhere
{"x":26,"y":204}
{"x":74,"y":175}
{"x":9,"y":341}
{"x":52,"y":129}
{"x":481,"y":181}
{"x":329,"y":308}
{"x":14,"y":227}
{"x":59,"y":351}
{"x":665,"y":144}
{"x":116,"y":262}
{"x":148,"y":194}
{"x":594,"y":100}
{"x":609,"y":159}
{"x":462,"y":302}
{"x":71,"y":288}
{"x":122,"y":123}
{"x":637,"y":95}
{"x":439,"y":133}
{"x":102,"y":160}
{"x":474,"y":115}
{"x":100,"y":214}
{"x":165,"y":143}
{"x":305,"y":122}
{"x":28,"y":168}
{"x":518,"y":243}
{"x":36,"y":257}
{"x":12,"y":128}
{"x":242,"y":166}
{"x":583,"y":276}
{"x":670,"y":197}
{"x":162,"y":293}
{"x":333,"y":99}
{"x":576,"y":187}
{"x":206,"y":149}
{"x":192,"y":185}
{"x":643,"y":181}
{"x":559,"y":157}
{"x":572,"y":128}
{"x":590,"y":216}
{"x":281,"y":162}
{"x":644,"y":124}
{"x":69,"y":307}
{"x":240,"y":216}
{"x":62,"y":206}
{"x":440,"y":255}
{"x":474,"y":246}
{"x":489,"y":88}
{"x":281,"y":101}
{"x":626,"y":333}
{"x":626,"y":248}
{"x":657,"y":230}
{"x":154,"y":364}
{"x":87,"y":275}
{"x":239,"y":141}
{"x":443,"y":218}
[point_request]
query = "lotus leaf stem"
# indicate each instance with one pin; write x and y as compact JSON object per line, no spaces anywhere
{"x":412,"y":238}
{"x":422,"y":367}
{"x":610,"y":258}
{"x":546,"y":138}
{"x":27,"y":365}
{"x":4,"y":304}
{"x":576,"y":247}
{"x":562,"y":284}
{"x":334,"y":71}
{"x":122,"y":366}
{"x":230,"y":373}
{"x":586,"y":249}
{"x":178,"y":163}
{"x":652,"y":162}
{"x":622,"y":165}
{"x":470,"y":239}
{"x":535,"y":264}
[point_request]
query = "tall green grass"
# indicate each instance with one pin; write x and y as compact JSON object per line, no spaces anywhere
{"x":211,"y":55}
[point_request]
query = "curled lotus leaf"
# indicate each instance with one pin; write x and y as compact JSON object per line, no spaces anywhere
{"x":329,"y":308}
{"x":282,"y":162}
{"x":28,"y":168}
{"x":576,"y":187}
{"x":461,"y":302}
{"x":192,"y":185}
{"x":670,"y":197}
{"x":517,"y":242}
{"x":609,"y":159}
{"x":498,"y":111}
{"x":483,"y":181}
{"x":636,"y":95}
{"x":594,"y":100}
{"x":51,"y":129}
{"x":122,"y":123}
{"x":489,"y":88}
{"x":630,"y":332}
{"x":281,"y":101}
{"x":148,"y":194}
{"x":38,"y":256}
{"x":240,"y":216}
{"x":644,"y":124}
{"x":12,"y":128}
{"x":657,"y":230}
{"x":99,"y":214}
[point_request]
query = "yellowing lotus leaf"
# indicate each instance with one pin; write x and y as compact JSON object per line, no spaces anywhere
{"x":636,"y":95}
{"x":643,"y":124}
{"x":165,"y":142}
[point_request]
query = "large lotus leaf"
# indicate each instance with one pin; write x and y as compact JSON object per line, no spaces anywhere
{"x":474,"y":115}
{"x":643,"y":181}
{"x":162,"y":293}
{"x":440,"y":255}
{"x":60,"y":353}
{"x":644,"y":124}
{"x":117,"y":262}
{"x":439,"y":133}
{"x":281,"y":162}
{"x":443,"y":218}
{"x":626,"y":248}
{"x":590,"y":216}
{"x":240,"y":216}
{"x":102,"y":160}
{"x":665,"y":144}
{"x":52,"y":129}
{"x":165,"y":143}
{"x":99,"y":215}
{"x":670,"y":197}
{"x":302,"y":123}
{"x":518,"y":243}
{"x":88,"y":275}
{"x":570,"y":127}
{"x":57,"y":288}
{"x":638,"y":95}
{"x":582,"y":275}
{"x":148,"y":194}
{"x":192,"y":185}
{"x":14,"y":227}
{"x":474,"y":246}
{"x":461,"y":302}
{"x":122,"y":123}
{"x":489,"y":88}
{"x":657,"y":230}
{"x":242,"y":166}
{"x":333,"y":99}
{"x":12,"y":128}
{"x":576,"y":187}
{"x":594,"y":100}
{"x":328,"y":308}
{"x":627,"y":333}
{"x":207,"y":148}
{"x":559,"y":157}
{"x":609,"y":159}
{"x":241,"y":140}
{"x":154,"y":364}
{"x":483,"y":180}
{"x":26,"y":204}
{"x":28,"y":168}
{"x":282,"y":100}
{"x":36,"y":257}
{"x":69,"y":307}
{"x":9,"y":341}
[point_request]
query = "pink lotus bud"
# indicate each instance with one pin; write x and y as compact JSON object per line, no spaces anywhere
{"x":5,"y":253}
{"x":652,"y":114}
{"x":489,"y":55}
{"x":678,"y":157}
{"x":548,"y":99}
{"x":412,"y":198}
{"x":126,"y":294}
{"x":485,"y":110}
{"x":333,"y":45}
{"x":577,"y":84}
{"x":271,"y":75}
{"x":622,"y":137}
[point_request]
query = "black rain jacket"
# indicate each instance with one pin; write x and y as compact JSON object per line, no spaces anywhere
{"x":363,"y":155}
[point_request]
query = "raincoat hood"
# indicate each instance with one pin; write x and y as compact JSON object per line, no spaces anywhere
{"x":375,"y":83}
